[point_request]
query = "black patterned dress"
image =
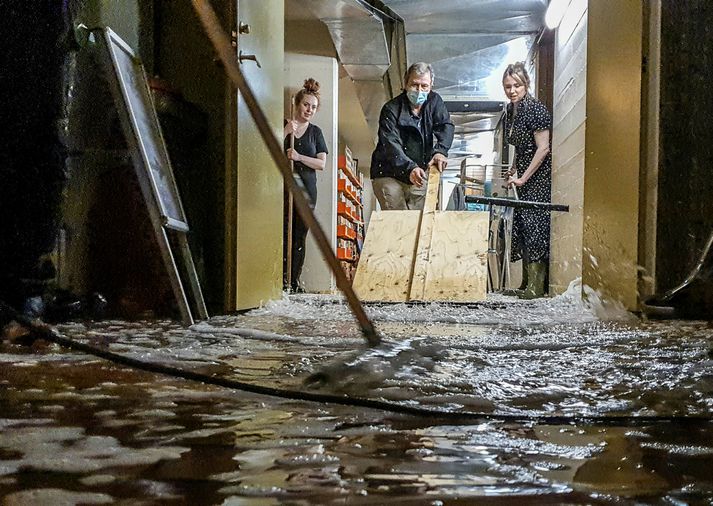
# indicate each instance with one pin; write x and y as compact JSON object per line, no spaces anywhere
{"x":531,"y":228}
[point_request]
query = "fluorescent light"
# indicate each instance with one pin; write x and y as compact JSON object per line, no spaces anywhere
{"x":555,"y":13}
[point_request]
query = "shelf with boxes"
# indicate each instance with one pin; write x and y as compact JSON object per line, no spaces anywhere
{"x":350,"y":214}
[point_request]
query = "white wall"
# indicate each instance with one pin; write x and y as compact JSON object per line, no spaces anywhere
{"x":568,"y":136}
{"x":316,"y":276}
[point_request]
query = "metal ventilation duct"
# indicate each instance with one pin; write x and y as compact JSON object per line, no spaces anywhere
{"x":365,"y":39}
{"x":361,"y":46}
{"x":359,"y":37}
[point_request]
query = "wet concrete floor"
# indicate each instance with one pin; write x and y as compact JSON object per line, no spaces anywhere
{"x":76,"y":429}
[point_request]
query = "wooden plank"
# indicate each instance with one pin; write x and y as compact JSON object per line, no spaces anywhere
{"x":387,"y":256}
{"x":423,"y":244}
{"x":434,"y":181}
{"x":457,"y":264}
{"x":424,"y":256}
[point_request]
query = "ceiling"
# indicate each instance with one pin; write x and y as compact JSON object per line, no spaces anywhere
{"x":468,"y":42}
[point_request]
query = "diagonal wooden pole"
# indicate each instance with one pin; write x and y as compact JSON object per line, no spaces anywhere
{"x":221,"y":42}
{"x":290,"y":203}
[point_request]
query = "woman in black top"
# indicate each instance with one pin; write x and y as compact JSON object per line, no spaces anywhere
{"x":527,"y":127}
{"x":308,"y":155}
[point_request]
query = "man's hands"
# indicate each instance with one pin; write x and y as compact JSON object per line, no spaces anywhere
{"x":417,"y":176}
{"x":439,"y":161}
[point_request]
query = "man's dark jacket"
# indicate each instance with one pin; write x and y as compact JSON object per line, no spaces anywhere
{"x":402,"y":147}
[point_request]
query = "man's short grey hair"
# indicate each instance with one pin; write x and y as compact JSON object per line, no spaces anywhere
{"x":419,"y":69}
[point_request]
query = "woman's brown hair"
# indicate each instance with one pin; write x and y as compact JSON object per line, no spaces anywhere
{"x":310,"y":87}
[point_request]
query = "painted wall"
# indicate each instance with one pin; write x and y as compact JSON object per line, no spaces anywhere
{"x":123,"y":18}
{"x":612,"y":157}
{"x":316,"y":276}
{"x":95,"y":152}
{"x":685,"y":206}
{"x":568,"y":134}
{"x":184,"y":58}
{"x":675,"y":222}
{"x":596,"y":148}
{"x":255,"y":243}
{"x":650,"y":120}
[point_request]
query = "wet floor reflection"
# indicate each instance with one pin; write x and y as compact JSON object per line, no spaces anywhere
{"x":75,"y":429}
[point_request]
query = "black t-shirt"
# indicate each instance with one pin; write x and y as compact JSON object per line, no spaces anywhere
{"x":310,"y":144}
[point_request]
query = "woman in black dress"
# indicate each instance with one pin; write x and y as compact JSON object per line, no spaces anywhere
{"x":308,"y":155}
{"x":527,"y":127}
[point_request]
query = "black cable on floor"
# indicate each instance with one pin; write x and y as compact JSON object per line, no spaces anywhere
{"x":49,"y":333}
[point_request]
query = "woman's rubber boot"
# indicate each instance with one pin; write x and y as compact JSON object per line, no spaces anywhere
{"x":523,"y":286}
{"x":536,"y":273}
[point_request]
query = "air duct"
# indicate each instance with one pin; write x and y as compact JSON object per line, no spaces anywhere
{"x":359,"y":36}
{"x":365,"y":39}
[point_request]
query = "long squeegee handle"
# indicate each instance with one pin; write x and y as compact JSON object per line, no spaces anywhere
{"x":521,"y":204}
{"x":222,"y":44}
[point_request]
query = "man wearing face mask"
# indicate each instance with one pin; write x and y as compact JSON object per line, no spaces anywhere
{"x":415,"y":130}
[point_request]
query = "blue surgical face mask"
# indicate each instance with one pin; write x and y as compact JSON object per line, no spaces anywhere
{"x":417,"y":97}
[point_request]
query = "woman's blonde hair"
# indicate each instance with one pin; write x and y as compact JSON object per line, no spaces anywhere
{"x":518,"y":72}
{"x":310,"y":87}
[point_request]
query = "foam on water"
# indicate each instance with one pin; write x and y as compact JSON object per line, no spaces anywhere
{"x":578,"y":304}
{"x":569,"y":353}
{"x":566,"y":355}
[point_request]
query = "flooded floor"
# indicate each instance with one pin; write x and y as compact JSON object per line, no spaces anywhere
{"x":76,"y":429}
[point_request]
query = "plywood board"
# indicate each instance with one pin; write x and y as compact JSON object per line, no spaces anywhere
{"x":425,"y":231}
{"x":457,"y":264}
{"x":386,"y":260}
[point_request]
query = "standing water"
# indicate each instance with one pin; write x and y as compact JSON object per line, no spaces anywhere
{"x":75,"y":429}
